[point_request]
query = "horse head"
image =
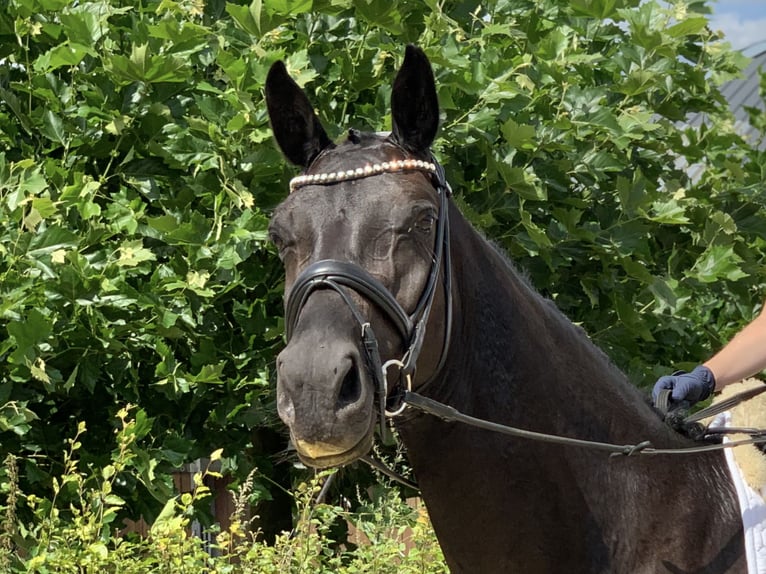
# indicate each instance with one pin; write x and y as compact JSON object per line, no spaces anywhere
{"x":362,"y":236}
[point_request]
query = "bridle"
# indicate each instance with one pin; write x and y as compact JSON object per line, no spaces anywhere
{"x":341,"y":276}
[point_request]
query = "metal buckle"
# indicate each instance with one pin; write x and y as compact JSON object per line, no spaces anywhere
{"x":408,"y":379}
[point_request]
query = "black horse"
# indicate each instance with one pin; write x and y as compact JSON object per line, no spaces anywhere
{"x":367,"y":237}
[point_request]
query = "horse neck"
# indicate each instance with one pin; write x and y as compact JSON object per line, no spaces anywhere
{"x":522,"y":362}
{"x":515,"y":360}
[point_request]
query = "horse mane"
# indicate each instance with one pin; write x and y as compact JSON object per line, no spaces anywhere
{"x":675,"y":420}
{"x":523,"y":275}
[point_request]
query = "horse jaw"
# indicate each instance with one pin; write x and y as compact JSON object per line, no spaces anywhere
{"x":325,"y":455}
{"x":337,"y":450}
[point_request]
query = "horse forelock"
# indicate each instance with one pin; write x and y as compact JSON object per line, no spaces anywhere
{"x":359,"y":149}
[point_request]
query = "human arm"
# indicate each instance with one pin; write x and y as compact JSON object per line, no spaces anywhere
{"x":743,"y":356}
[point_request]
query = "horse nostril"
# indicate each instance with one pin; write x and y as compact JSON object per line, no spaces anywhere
{"x":350,"y":388}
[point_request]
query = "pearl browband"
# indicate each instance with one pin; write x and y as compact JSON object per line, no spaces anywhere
{"x":360,"y":172}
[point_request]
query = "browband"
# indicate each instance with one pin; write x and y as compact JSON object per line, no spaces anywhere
{"x":368,"y":170}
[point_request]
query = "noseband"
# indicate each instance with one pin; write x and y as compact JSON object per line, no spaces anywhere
{"x":340,"y":276}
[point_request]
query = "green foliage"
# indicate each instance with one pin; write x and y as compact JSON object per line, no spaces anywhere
{"x":132,"y":258}
{"x":137,"y":174}
{"x":398,"y":539}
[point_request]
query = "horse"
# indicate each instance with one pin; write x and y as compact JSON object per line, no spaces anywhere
{"x":384,"y":274}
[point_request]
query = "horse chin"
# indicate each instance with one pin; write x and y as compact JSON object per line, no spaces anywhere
{"x":324,"y":455}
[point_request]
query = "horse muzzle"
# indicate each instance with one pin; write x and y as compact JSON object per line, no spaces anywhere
{"x":326,"y":399}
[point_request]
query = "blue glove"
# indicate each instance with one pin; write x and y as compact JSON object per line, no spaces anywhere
{"x":693,"y":387}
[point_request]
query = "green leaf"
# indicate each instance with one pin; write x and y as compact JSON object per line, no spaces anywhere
{"x":603,"y":161}
{"x":247,"y":17}
{"x":113,"y":500}
{"x":66,"y":54}
{"x":631,"y":194}
{"x":688,"y":27}
{"x":32,"y":182}
{"x":27,"y":334}
{"x":133,"y":253}
{"x":184,"y":36}
{"x":718,"y":262}
{"x":295,"y":7}
{"x":594,"y":8}
{"x":536,"y":234}
{"x":631,"y":318}
{"x":668,"y":212}
{"x":378,"y":13}
{"x":521,"y":182}
{"x":637,"y":82}
{"x":16,"y":417}
{"x":665,"y":295}
{"x":167,"y":513}
{"x":53,"y":5}
{"x":53,"y":127}
{"x":44,"y":206}
{"x":143,"y":66}
{"x":637,"y":270}
{"x":86,"y":23}
{"x":518,"y":135}
{"x":209,"y":374}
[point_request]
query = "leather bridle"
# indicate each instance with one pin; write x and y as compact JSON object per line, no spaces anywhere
{"x":341,"y":276}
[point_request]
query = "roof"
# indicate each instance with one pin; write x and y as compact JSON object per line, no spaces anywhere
{"x":745,"y":92}
{"x":742,"y":93}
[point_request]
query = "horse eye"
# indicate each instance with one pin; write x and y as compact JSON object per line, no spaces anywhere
{"x":278,"y":242}
{"x":425,"y":222}
{"x":275,"y":239}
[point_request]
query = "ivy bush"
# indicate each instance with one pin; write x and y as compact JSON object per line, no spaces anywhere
{"x":137,"y":174}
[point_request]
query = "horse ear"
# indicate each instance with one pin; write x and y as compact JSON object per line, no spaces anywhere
{"x":414,"y":104}
{"x":296,"y":127}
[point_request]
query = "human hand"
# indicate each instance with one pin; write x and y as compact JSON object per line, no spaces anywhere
{"x":693,"y":387}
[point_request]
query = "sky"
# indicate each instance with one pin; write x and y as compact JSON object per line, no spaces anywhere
{"x":743,"y":22}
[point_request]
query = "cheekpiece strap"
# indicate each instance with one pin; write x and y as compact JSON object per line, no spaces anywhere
{"x":368,"y":170}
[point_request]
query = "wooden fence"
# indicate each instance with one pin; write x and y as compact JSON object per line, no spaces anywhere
{"x":221,"y":502}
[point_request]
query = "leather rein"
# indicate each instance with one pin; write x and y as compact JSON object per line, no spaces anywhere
{"x":341,"y":276}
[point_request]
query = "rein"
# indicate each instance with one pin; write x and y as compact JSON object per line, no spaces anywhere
{"x":450,"y":414}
